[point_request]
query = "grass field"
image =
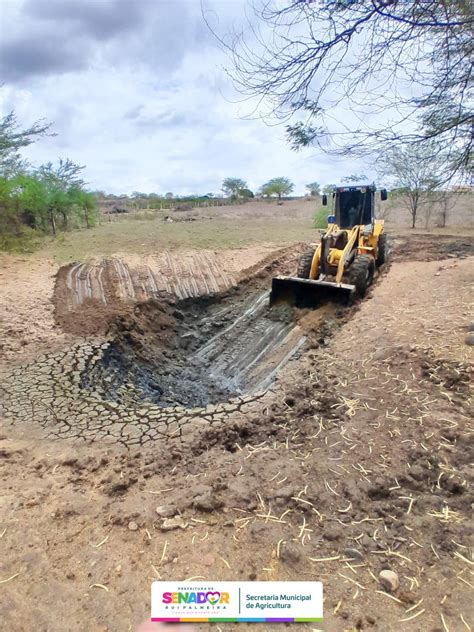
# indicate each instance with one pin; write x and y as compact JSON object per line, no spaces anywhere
{"x":259,"y":222}
{"x":147,"y":237}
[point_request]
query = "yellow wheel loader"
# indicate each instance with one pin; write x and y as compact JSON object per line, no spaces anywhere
{"x":343,"y":264}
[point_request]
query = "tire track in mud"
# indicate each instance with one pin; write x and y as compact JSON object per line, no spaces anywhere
{"x":219,"y":349}
{"x":196,"y":353}
{"x":89,"y":296}
{"x":183,"y":276}
{"x":167,"y":363}
{"x":251,"y":347}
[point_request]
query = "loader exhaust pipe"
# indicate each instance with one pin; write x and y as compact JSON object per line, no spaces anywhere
{"x":309,"y":293}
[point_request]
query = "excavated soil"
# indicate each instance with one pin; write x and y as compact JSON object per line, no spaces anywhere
{"x":357,"y":458}
{"x":88,"y":297}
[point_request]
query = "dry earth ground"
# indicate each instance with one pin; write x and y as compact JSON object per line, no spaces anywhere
{"x":357,"y":460}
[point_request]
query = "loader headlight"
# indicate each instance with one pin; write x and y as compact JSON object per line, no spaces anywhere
{"x":331,"y":219}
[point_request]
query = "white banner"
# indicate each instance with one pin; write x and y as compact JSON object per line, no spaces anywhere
{"x":237,"y":601}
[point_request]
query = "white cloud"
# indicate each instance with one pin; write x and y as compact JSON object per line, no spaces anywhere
{"x":147,"y":107}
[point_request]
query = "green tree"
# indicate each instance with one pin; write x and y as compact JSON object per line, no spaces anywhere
{"x":277,"y":186}
{"x":85,"y":203}
{"x":246,"y":194}
{"x":32,"y":200}
{"x":16,"y":227}
{"x":355,"y":178}
{"x":328,"y":188}
{"x":314,"y":188}
{"x":13,"y":138}
{"x":233,"y":186}
{"x":62,"y":183}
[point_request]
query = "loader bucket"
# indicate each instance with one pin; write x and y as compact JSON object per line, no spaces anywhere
{"x":309,"y":293}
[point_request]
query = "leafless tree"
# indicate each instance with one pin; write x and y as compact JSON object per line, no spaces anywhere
{"x":383,"y":210}
{"x":416,"y":172}
{"x":428,"y":207}
{"x":360,"y":74}
{"x":447,"y":201}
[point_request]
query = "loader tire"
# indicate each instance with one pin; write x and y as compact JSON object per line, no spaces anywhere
{"x":361,"y":273}
{"x":304,"y":264}
{"x":382,"y":250}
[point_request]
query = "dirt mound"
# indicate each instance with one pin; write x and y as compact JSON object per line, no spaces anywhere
{"x":88,"y":297}
{"x":85,"y":303}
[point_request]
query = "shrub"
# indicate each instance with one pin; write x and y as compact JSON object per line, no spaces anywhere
{"x":183,"y":206}
{"x":320,"y":218}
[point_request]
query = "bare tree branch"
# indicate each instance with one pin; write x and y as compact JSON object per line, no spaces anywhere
{"x":361,"y":73}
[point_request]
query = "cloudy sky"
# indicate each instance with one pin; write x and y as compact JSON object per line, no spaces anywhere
{"x":136,"y":92}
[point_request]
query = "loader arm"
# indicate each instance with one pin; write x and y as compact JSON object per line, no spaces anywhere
{"x":317,"y":255}
{"x":346,"y":253}
{"x":315,"y":263}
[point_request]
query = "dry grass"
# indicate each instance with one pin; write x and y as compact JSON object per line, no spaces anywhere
{"x":150,"y":237}
{"x":259,"y":222}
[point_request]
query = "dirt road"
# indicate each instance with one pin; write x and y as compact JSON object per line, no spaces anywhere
{"x":356,"y":459}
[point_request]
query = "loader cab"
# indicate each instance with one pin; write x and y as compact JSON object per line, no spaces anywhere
{"x":354,"y":205}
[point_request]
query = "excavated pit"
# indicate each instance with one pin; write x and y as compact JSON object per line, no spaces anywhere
{"x":194,"y":352}
{"x":181,"y":332}
{"x":162,"y":367}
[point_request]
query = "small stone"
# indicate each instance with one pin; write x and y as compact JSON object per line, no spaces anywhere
{"x":133,"y":526}
{"x":290,"y":553}
{"x":170,"y":524}
{"x":469,"y":340}
{"x":208,"y":559}
{"x":166,"y":511}
{"x":389,"y":580}
{"x":353,"y":554}
{"x":382,"y":354}
{"x":470,"y":327}
{"x":207,"y":502}
{"x":190,"y":335}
